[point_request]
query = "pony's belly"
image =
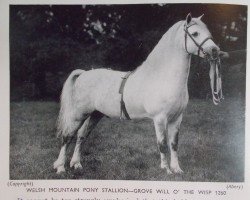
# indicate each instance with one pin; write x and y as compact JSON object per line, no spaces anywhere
{"x":112,"y":106}
{"x":137,"y":113}
{"x":109,"y":106}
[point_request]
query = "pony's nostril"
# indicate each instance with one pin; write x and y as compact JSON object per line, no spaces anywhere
{"x":215,"y":51}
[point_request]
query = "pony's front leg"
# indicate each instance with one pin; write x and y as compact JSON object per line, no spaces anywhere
{"x":160,"y":123}
{"x":173,"y":134}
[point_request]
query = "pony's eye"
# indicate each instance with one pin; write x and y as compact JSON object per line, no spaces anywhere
{"x":195,"y":34}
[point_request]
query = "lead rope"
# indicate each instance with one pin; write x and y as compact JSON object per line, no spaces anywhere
{"x":216,"y":80}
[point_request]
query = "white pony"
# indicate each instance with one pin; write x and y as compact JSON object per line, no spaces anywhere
{"x":156,"y":90}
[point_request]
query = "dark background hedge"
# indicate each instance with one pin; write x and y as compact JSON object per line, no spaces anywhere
{"x":49,"y":41}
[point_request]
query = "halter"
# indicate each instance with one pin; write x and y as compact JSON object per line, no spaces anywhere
{"x":195,"y":42}
{"x":215,"y":82}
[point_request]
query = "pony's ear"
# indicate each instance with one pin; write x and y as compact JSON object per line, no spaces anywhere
{"x":200,"y":17}
{"x":188,"y":18}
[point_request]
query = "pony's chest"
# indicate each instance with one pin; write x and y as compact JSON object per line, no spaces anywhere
{"x":172,"y":104}
{"x":174,"y":107}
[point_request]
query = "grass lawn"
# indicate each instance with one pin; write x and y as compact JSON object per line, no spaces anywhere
{"x":211,"y":145}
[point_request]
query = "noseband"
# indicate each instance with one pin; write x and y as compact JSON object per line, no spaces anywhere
{"x":200,"y":49}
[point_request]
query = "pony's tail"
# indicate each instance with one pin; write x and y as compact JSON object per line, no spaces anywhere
{"x":66,"y":113}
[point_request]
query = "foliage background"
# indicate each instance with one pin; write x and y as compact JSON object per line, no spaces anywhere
{"x":49,"y":41}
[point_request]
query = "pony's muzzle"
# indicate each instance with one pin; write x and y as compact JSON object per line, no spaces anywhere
{"x":213,"y":53}
{"x":211,"y":49}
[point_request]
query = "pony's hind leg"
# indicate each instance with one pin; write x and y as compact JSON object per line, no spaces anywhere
{"x":66,"y":140}
{"x":75,"y":161}
{"x":160,"y":123}
{"x":59,"y":163}
{"x":173,"y":134}
{"x":82,"y":135}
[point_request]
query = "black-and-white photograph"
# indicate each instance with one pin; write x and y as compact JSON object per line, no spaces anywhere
{"x":151,"y":92}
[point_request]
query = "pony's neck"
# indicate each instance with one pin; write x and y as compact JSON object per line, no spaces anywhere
{"x":172,"y":42}
{"x":169,"y":57}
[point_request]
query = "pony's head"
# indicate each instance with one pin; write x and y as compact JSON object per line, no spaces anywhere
{"x":198,"y":39}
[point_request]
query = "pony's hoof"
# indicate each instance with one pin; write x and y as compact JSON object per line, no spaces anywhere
{"x":177,"y":170}
{"x":60,"y":169}
{"x":78,"y":166}
{"x":169,"y":172}
{"x":167,"y":169}
{"x":56,"y":164}
{"x":75,"y":164}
